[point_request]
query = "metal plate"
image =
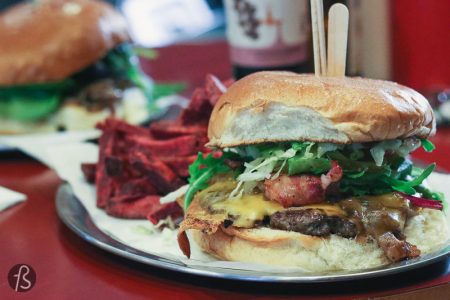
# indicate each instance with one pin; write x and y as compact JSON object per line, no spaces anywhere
{"x":75,"y":216}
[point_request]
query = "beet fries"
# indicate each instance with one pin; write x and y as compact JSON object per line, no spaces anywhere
{"x":138,"y":165}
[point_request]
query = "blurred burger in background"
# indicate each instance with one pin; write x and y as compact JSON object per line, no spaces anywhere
{"x":65,"y":65}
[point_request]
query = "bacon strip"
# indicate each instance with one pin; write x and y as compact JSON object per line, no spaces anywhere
{"x":196,"y":217}
{"x":302,"y":189}
{"x":395,"y":249}
{"x":334,"y":175}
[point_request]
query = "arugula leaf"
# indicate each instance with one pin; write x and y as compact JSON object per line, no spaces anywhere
{"x":427,"y":145}
{"x":408,"y":186}
{"x":404,"y":189}
{"x":366,"y":184}
{"x":419,"y":179}
{"x":200,"y":172}
{"x":357,"y":174}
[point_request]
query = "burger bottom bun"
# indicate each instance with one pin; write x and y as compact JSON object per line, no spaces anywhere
{"x":12,"y":127}
{"x":72,"y":116}
{"x":428,"y":231}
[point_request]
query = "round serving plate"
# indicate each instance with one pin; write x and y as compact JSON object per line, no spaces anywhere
{"x":74,"y":215}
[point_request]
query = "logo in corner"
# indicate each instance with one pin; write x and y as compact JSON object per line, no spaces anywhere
{"x":21,"y":278}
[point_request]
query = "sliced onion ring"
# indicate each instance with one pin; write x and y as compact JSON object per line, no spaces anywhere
{"x":422,"y":202}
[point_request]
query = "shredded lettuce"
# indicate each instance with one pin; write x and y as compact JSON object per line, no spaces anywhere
{"x":380,"y":149}
{"x":262,"y":168}
{"x":323,"y":148}
{"x":400,"y":147}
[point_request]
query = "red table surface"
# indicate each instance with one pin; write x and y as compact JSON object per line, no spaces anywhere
{"x":69,"y":268}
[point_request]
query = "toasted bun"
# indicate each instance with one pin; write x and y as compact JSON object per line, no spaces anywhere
{"x":12,"y":127}
{"x":428,"y":231}
{"x":284,"y":106}
{"x":50,"y":40}
{"x":69,"y":117}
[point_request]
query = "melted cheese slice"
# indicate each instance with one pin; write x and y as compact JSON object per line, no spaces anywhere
{"x":252,"y":208}
{"x":248,"y":209}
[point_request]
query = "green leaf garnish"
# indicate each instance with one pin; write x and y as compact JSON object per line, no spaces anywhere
{"x":427,"y":145}
{"x":361,"y":174}
{"x":32,"y":102}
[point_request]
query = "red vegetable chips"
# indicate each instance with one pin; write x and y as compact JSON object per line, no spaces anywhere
{"x":137,"y":165}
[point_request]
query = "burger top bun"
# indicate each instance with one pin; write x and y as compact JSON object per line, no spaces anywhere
{"x":49,"y":40}
{"x":284,"y":106}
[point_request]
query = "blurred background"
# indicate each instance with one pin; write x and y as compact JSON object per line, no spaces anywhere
{"x":402,"y":40}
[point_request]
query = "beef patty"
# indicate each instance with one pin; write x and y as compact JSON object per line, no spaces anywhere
{"x":313,"y":221}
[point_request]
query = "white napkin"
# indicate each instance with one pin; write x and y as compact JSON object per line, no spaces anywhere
{"x":9,"y":198}
{"x":35,"y":145}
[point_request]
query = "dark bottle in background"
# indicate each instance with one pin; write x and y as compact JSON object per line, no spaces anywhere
{"x":268,"y":35}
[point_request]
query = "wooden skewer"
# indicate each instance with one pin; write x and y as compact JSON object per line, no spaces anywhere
{"x":315,"y":32}
{"x":322,"y":45}
{"x":319,"y":46}
{"x":337,"y":39}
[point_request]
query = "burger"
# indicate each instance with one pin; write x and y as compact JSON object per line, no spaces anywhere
{"x":65,"y":65}
{"x":313,"y":172}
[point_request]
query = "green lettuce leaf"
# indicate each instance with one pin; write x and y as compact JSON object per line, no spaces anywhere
{"x":297,"y":165}
{"x":32,"y":102}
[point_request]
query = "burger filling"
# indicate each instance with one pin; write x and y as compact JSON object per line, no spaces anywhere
{"x":98,"y":87}
{"x":364,"y":192}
